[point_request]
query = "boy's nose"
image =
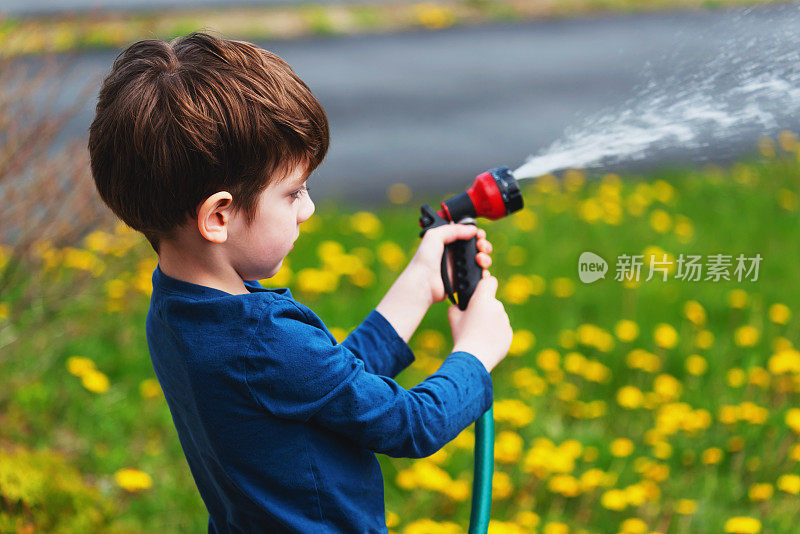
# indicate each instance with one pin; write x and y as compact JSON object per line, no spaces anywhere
{"x":307,"y":211}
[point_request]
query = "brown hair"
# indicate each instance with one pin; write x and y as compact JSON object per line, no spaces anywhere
{"x":176,"y":122}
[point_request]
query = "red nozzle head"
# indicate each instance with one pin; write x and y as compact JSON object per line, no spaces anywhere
{"x":494,"y":194}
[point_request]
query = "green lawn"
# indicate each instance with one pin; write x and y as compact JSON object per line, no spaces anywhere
{"x":663,"y":406}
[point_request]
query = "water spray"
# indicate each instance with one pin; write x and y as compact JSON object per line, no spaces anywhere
{"x":493,"y":195}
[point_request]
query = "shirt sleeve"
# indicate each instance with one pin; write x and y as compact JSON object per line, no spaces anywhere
{"x":294,"y":371}
{"x":379,"y":346}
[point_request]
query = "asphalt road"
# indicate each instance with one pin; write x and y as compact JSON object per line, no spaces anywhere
{"x":433,"y":109}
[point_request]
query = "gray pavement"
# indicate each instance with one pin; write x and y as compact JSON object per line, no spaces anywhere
{"x":433,"y":109}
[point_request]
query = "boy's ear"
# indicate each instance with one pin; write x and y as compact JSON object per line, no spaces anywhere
{"x":213,"y":217}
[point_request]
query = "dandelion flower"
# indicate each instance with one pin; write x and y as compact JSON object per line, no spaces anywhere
{"x":780,"y":313}
{"x":696,"y":365}
{"x":133,"y":480}
{"x":626,"y":330}
{"x":95,"y":381}
{"x":665,"y":336}
{"x":760,"y":492}
{"x":789,"y":484}
{"x":746,"y":336}
{"x":79,"y":365}
{"x":621,"y":447}
{"x":743,"y":525}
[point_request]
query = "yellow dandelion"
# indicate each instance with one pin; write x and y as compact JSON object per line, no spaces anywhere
{"x":789,"y":484}
{"x":428,"y":526}
{"x":695,"y":312}
{"x":434,"y":16}
{"x":660,"y":221}
{"x":683,"y":228}
{"x":621,"y":447}
{"x":784,"y":361}
{"x":525,"y":220}
{"x":79,"y":365}
{"x":743,"y":525}
{"x":737,"y":298}
{"x":458,"y":490}
{"x":133,"y":480}
{"x":508,"y":447}
{"x":501,"y":485}
{"x":712,"y":456}
{"x":614,"y":499}
{"x":626,"y":330}
{"x":367,"y":224}
{"x":704,"y":339}
{"x":513,"y":411}
{"x":760,"y":492}
{"x":696,"y":365}
{"x":563,"y":287}
{"x":317,"y":281}
{"x":663,"y":191}
{"x":573,"y":180}
{"x":149,"y":388}
{"x":736,"y":377}
{"x":527,"y":519}
{"x":518,"y":289}
{"x":548,"y":359}
{"x":665,"y":336}
{"x":633,"y":525}
{"x":565,"y":485}
{"x":556,"y":528}
{"x":115,"y":288}
{"x":630,"y":397}
{"x":399,"y":193}
{"x":95,"y":381}
{"x":391,"y":255}
{"x":527,"y":380}
{"x":793,"y":419}
{"x":686,"y":507}
{"x":521,"y":342}
{"x":392,"y":519}
{"x":662,"y":450}
{"x":746,"y":336}
{"x":780,"y":313}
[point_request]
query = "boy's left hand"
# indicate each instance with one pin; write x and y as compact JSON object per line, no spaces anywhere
{"x":427,"y":261}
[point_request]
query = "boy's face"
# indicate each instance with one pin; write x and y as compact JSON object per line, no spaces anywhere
{"x":257,"y":252}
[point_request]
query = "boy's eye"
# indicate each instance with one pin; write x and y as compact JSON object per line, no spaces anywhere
{"x":305,"y":189}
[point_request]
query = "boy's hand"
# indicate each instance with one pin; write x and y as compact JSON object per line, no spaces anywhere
{"x":483,"y":329}
{"x":428,"y":258}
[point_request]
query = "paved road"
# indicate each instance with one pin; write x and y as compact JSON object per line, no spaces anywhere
{"x":433,"y":109}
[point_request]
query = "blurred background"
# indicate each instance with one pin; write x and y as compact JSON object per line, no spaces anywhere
{"x":662,"y":129}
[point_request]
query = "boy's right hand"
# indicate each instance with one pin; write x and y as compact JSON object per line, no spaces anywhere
{"x":483,"y":329}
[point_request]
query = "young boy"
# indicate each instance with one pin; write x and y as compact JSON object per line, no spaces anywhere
{"x":204,"y":145}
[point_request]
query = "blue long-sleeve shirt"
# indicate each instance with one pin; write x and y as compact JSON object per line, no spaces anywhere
{"x":279,"y":422}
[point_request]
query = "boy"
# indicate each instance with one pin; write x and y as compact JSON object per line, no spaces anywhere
{"x":204,"y":145}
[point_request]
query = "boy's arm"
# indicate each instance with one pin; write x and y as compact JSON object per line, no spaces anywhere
{"x":296,"y":372}
{"x":379,"y":346}
{"x":381,"y":341}
{"x":419,"y":286}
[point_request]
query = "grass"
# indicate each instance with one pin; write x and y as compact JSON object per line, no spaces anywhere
{"x":662,"y":406}
{"x":95,"y":29}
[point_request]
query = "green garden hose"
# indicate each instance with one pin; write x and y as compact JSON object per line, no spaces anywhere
{"x":484,"y":468}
